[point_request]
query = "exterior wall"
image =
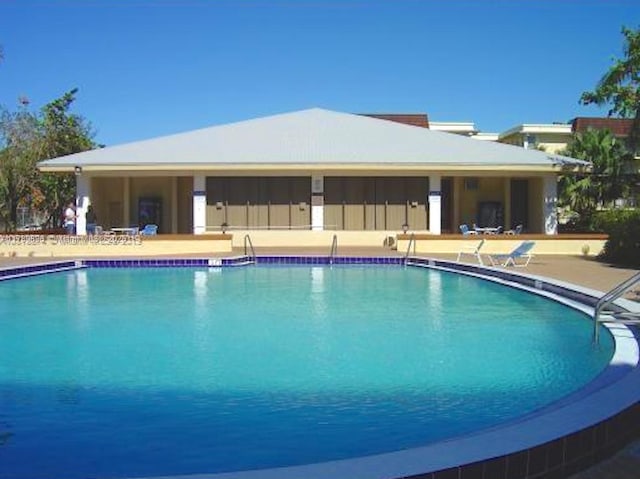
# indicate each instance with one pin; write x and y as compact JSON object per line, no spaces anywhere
{"x":259,"y":202}
{"x":551,"y":142}
{"x":536,"y":206}
{"x":107,"y":200}
{"x":476,"y":190}
{"x":376,"y":203}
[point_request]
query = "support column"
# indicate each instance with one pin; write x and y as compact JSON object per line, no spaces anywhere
{"x":83,"y":199}
{"x":199,"y":204}
{"x":549,"y":209}
{"x":317,"y":202}
{"x":435,"y":204}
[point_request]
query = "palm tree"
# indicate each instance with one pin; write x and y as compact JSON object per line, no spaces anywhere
{"x":608,"y":179}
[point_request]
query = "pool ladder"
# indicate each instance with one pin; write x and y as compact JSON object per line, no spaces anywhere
{"x":247,"y":242}
{"x":412,"y":242}
{"x":615,"y":314}
{"x":334,"y":249}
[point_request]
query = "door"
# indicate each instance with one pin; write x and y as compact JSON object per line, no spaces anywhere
{"x":519,"y":203}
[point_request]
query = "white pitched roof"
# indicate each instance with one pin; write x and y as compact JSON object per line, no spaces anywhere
{"x":311,"y":137}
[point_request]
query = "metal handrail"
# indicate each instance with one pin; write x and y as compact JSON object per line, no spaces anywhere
{"x":247,"y":239}
{"x":334,"y":248}
{"x":609,"y":298}
{"x":412,"y":241}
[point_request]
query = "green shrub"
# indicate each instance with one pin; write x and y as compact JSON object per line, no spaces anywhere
{"x":623,"y":228}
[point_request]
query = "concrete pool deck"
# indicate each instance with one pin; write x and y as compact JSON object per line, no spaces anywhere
{"x":582,"y":271}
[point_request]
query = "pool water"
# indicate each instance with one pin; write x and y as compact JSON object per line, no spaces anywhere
{"x":143,"y":372}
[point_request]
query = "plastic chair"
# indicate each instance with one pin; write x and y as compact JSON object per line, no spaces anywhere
{"x":149,"y":230}
{"x":520,"y":253}
{"x":464,"y":229}
{"x":472,"y":251}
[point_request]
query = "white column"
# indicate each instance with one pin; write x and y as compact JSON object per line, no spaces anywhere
{"x":317,"y":202}
{"x":550,"y":210}
{"x":199,"y":204}
{"x":435,"y":204}
{"x":83,"y":194}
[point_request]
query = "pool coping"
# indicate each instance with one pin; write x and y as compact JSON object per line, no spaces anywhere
{"x":565,"y":437}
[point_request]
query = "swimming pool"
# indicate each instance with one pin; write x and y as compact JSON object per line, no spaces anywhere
{"x":147,"y":372}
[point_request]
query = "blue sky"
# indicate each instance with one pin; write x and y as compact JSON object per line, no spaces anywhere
{"x":149,"y":68}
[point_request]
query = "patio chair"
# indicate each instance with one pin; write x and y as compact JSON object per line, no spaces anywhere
{"x":149,"y":230}
{"x":520,"y":253}
{"x":464,"y":229}
{"x":472,"y":251}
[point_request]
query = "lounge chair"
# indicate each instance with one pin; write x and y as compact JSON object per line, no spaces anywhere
{"x":520,"y":253}
{"x":516,"y":231}
{"x":149,"y":230}
{"x":472,"y":251}
{"x":464,"y":229}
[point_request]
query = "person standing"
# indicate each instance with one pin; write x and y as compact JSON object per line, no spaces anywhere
{"x":70,"y":219}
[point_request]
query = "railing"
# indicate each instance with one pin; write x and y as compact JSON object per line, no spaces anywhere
{"x":247,"y":241}
{"x":610,"y":297}
{"x":412,"y":241}
{"x":334,"y":248}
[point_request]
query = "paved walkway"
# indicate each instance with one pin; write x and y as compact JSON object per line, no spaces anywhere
{"x":586,"y":272}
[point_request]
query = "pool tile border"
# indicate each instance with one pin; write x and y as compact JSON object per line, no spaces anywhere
{"x":36,"y":269}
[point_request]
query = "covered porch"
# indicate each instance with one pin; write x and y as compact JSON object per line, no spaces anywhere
{"x":427,"y":203}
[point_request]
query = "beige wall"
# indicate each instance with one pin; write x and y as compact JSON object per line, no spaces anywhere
{"x":316,"y":239}
{"x":544,"y":245}
{"x":112,"y":246}
{"x":536,"y":213}
{"x":107,"y":199}
{"x":489,"y":189}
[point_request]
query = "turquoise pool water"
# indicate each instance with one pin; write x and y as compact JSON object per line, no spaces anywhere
{"x":142,"y":372}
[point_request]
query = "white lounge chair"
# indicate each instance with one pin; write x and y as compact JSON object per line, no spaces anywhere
{"x":472,"y":251}
{"x":520,"y":253}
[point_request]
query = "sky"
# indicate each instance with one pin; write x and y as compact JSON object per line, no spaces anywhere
{"x":147,"y":68}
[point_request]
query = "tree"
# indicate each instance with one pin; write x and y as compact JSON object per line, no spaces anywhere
{"x":20,"y":149}
{"x":27,"y":138}
{"x":620,"y":88}
{"x":64,"y":133}
{"x":607,"y":180}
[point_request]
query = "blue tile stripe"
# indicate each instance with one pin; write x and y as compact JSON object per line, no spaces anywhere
{"x":242,"y":261}
{"x":145,"y":263}
{"x":31,"y":270}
